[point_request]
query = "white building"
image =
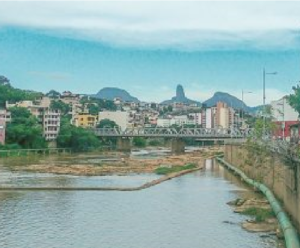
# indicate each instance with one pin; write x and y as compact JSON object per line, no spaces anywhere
{"x":281,"y":110}
{"x":163,"y":122}
{"x":179,"y":120}
{"x":51,"y":124}
{"x":119,"y":117}
{"x":197,"y":117}
{"x":207,"y":120}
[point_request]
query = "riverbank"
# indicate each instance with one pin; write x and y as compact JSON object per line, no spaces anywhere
{"x":108,"y":163}
{"x":261,"y":216}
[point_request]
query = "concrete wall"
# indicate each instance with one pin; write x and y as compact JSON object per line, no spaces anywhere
{"x":270,"y":169}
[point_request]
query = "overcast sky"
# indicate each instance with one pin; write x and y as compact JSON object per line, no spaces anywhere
{"x":148,"y":48}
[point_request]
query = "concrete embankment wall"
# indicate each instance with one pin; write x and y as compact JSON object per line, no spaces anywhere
{"x":269,"y":169}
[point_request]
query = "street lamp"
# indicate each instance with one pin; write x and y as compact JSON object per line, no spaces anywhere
{"x":264,"y":98}
{"x":243,"y":105}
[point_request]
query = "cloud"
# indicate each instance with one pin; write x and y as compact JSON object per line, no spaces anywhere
{"x":60,"y":76}
{"x":186,"y":25}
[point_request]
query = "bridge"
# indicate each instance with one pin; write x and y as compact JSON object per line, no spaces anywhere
{"x":160,"y":132}
{"x":175,"y":134}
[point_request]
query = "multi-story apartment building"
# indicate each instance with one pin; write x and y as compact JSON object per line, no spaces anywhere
{"x":51,"y":123}
{"x":222,"y":115}
{"x":50,"y":120}
{"x":219,"y":116}
{"x":197,"y":117}
{"x":47,"y":117}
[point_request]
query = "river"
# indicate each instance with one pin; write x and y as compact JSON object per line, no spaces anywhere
{"x":185,"y":212}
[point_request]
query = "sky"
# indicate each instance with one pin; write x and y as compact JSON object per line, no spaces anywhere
{"x":148,"y":47}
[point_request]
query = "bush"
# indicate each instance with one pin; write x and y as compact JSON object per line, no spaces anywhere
{"x":139,"y":142}
{"x":260,"y":214}
{"x":77,"y":138}
{"x":167,"y":170}
{"x":155,"y":143}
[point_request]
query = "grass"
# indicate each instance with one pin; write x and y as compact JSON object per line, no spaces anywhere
{"x":166,"y":170}
{"x":259,"y":214}
{"x":219,"y":153}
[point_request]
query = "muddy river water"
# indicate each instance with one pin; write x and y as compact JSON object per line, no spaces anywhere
{"x":185,"y":212}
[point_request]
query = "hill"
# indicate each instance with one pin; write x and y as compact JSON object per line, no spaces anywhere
{"x":230,"y":100}
{"x":110,"y":93}
{"x":180,"y":97}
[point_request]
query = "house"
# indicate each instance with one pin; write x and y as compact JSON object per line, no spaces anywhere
{"x":284,"y":116}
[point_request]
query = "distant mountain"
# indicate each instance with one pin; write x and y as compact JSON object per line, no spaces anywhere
{"x":109,"y":93}
{"x":180,"y":97}
{"x":230,"y":100}
{"x":257,"y":109}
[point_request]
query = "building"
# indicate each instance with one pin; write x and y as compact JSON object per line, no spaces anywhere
{"x":197,"y":117}
{"x":163,"y":122}
{"x":2,"y":131}
{"x":47,"y":117}
{"x":121,"y":118}
{"x":85,"y":120}
{"x":284,"y":116}
{"x":207,"y":118}
{"x":222,"y":115}
{"x":4,"y":118}
{"x":5,"y":115}
{"x":51,"y":123}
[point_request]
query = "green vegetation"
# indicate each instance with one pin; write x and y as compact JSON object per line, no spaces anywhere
{"x":107,"y":123}
{"x":294,"y":99}
{"x":77,"y":138}
{"x":60,"y":105}
{"x":11,"y":94}
{"x":259,"y":214}
{"x":258,"y":127}
{"x":24,"y":131}
{"x":96,"y":105}
{"x":167,"y":170}
{"x":155,"y":142}
{"x":53,"y":94}
{"x":139,"y":142}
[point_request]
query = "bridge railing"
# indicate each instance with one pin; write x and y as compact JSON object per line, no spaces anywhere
{"x":173,"y":132}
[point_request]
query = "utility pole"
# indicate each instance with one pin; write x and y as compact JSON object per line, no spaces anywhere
{"x":264,"y":98}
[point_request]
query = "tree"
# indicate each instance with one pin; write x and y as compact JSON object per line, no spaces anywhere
{"x":107,"y":123}
{"x":60,"y":105}
{"x":139,"y":141}
{"x":24,"y":129}
{"x":259,"y":127}
{"x":77,"y":138}
{"x":294,"y":99}
{"x":93,"y":109}
{"x":11,"y":94}
{"x":101,"y":104}
{"x":53,"y":94}
{"x":170,"y":108}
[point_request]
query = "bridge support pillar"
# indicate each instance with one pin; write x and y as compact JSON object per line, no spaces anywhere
{"x":177,"y":146}
{"x":123,"y":144}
